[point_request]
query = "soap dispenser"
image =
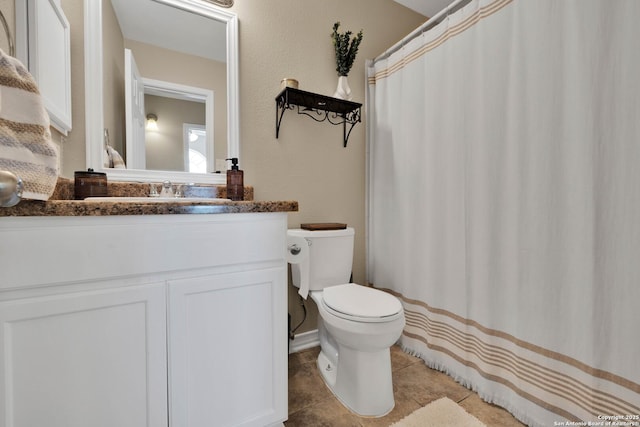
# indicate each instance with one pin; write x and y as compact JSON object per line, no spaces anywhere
{"x":235,"y":181}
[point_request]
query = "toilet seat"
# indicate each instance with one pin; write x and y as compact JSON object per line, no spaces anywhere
{"x":361,"y":303}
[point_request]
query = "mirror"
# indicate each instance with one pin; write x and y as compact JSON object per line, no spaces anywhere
{"x":184,"y":133}
{"x":105,"y":89}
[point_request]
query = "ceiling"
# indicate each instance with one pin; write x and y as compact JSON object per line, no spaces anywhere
{"x":426,"y":7}
{"x":184,"y":24}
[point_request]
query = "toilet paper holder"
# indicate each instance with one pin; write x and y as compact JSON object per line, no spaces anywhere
{"x":294,"y":249}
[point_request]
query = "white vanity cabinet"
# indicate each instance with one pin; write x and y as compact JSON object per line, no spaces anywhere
{"x":162,"y":320}
{"x":84,"y":358}
{"x":228,"y":325}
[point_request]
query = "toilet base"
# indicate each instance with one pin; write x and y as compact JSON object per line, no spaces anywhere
{"x":361,"y":381}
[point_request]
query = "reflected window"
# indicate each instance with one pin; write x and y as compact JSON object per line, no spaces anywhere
{"x":195,"y":148}
{"x":197,"y":162}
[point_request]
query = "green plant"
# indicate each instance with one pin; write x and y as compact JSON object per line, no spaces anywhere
{"x":346,"y":49}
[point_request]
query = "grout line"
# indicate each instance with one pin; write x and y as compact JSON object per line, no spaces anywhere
{"x":464,"y":398}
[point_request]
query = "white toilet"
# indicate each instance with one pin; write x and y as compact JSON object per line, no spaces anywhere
{"x":357,"y":324}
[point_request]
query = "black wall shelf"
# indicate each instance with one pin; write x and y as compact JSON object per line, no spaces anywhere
{"x":320,"y":108}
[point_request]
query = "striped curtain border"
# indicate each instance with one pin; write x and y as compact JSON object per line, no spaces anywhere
{"x":551,"y":381}
{"x":452,"y":31}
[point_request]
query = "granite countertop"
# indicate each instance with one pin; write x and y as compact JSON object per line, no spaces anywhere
{"x":62,"y":203}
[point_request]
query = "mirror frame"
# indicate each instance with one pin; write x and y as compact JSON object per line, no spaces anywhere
{"x":94,"y":110}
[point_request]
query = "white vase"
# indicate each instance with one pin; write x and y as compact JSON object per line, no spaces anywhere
{"x":343,"y":91}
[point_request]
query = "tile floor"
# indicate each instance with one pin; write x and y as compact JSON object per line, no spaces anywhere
{"x":311,"y":404}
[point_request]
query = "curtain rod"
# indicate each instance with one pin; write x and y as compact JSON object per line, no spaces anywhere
{"x":430,"y":23}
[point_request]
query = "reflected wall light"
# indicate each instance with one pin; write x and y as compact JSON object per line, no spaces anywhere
{"x":152,"y":122}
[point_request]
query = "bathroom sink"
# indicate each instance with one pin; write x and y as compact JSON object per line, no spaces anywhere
{"x":154,"y":199}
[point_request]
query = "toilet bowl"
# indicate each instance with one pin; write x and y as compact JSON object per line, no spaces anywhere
{"x":354,"y":360}
{"x":356,"y":326}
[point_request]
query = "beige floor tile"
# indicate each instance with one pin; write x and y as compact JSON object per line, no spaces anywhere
{"x":310,"y":355}
{"x":404,"y":406}
{"x":426,"y":385}
{"x":306,"y":387}
{"x":491,"y":415}
{"x":400,"y":359}
{"x":311,"y":403}
{"x":304,"y":356}
{"x":329,"y":413}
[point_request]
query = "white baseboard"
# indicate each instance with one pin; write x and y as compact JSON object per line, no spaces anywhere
{"x":304,"y":341}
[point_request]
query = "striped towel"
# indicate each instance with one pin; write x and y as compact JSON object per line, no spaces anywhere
{"x":113,"y":159}
{"x":26,"y":148}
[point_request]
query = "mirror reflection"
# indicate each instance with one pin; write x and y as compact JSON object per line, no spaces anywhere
{"x":163,"y":145}
{"x":175,"y":69}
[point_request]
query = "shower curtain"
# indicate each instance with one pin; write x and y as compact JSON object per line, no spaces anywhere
{"x":504,"y":203}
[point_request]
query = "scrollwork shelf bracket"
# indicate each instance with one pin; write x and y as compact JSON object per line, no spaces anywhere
{"x":320,"y":108}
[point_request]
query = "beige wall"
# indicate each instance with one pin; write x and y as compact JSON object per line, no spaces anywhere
{"x":291,"y":38}
{"x":8,"y":10}
{"x":73,"y":146}
{"x":288,"y":38}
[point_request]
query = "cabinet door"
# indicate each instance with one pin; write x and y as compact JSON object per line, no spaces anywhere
{"x":50,"y":58}
{"x":228,"y":349}
{"x":94,"y":358}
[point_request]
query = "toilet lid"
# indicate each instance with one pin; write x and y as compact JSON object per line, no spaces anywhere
{"x":360,"y":301}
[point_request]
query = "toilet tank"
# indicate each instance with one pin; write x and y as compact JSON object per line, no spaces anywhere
{"x":330,"y":257}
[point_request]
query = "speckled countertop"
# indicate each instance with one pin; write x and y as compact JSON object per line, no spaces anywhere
{"x":62,"y":202}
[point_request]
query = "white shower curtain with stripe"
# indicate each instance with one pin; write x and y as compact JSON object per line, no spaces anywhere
{"x":504,"y":202}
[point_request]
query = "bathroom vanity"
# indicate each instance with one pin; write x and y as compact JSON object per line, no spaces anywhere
{"x":169,"y":319}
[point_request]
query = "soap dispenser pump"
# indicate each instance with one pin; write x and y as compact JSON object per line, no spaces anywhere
{"x":235,"y":181}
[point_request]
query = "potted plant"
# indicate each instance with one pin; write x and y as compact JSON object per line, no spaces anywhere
{"x":346,"y":49}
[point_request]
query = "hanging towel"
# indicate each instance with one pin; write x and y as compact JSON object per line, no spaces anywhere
{"x":26,"y":148}
{"x":114,"y":159}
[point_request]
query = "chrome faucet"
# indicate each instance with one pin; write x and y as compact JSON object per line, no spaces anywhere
{"x":167,"y":189}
